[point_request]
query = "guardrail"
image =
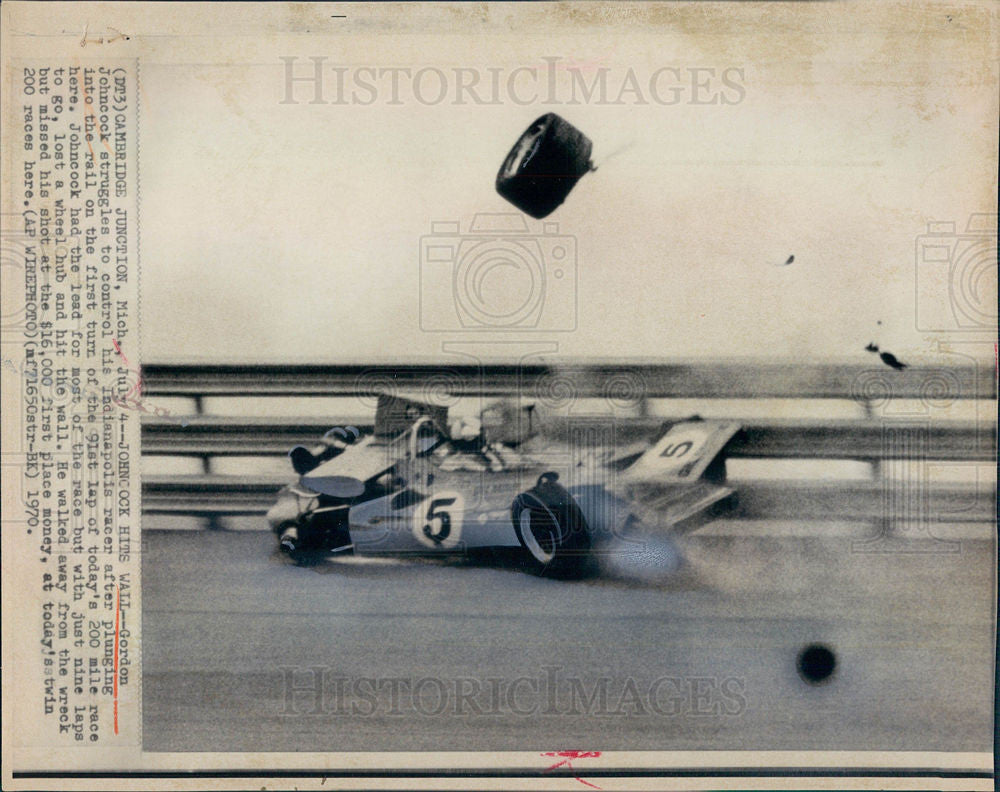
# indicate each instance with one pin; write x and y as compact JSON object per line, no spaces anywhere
{"x":722,"y":379}
{"x":860,"y":439}
{"x":914,"y":435}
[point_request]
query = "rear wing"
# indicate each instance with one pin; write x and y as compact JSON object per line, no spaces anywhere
{"x":678,"y":483}
{"x":688,"y":451}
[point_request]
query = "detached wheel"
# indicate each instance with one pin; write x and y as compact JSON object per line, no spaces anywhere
{"x":551,"y":529}
{"x":547,"y":161}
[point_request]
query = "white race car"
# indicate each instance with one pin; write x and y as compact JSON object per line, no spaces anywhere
{"x":421,"y":485}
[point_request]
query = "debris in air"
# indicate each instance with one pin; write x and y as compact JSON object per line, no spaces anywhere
{"x":788,"y":261}
{"x":545,"y":164}
{"x":887,"y":357}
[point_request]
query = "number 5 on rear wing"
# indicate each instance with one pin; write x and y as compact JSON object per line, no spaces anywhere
{"x":678,"y":483}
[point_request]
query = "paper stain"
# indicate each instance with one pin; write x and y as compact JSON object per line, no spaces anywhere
{"x":102,"y":38}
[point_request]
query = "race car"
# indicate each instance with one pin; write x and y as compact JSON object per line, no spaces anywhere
{"x":419,"y":484}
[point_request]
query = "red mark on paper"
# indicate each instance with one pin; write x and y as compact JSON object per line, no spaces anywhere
{"x":134,"y":394}
{"x":567,"y":758}
{"x":118,"y":616}
{"x":137,"y":388}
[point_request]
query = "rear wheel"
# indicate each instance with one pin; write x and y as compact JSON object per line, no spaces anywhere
{"x":551,"y":529}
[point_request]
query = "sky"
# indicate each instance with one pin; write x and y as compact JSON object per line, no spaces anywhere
{"x":276,"y":230}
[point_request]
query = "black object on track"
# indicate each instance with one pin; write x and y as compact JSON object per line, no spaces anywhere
{"x":816,"y":663}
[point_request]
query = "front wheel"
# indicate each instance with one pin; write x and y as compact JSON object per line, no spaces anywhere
{"x":551,"y":529}
{"x":292,"y":537}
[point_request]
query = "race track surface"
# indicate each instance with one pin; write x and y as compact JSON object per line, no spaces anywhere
{"x":641,"y":656}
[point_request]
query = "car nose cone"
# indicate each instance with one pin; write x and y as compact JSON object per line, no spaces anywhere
{"x":334,"y":486}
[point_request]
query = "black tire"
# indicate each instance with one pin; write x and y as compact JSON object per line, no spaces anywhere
{"x":551,"y":529}
{"x":544,"y":165}
{"x":292,"y":536}
{"x":316,"y":532}
{"x":306,"y":550}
